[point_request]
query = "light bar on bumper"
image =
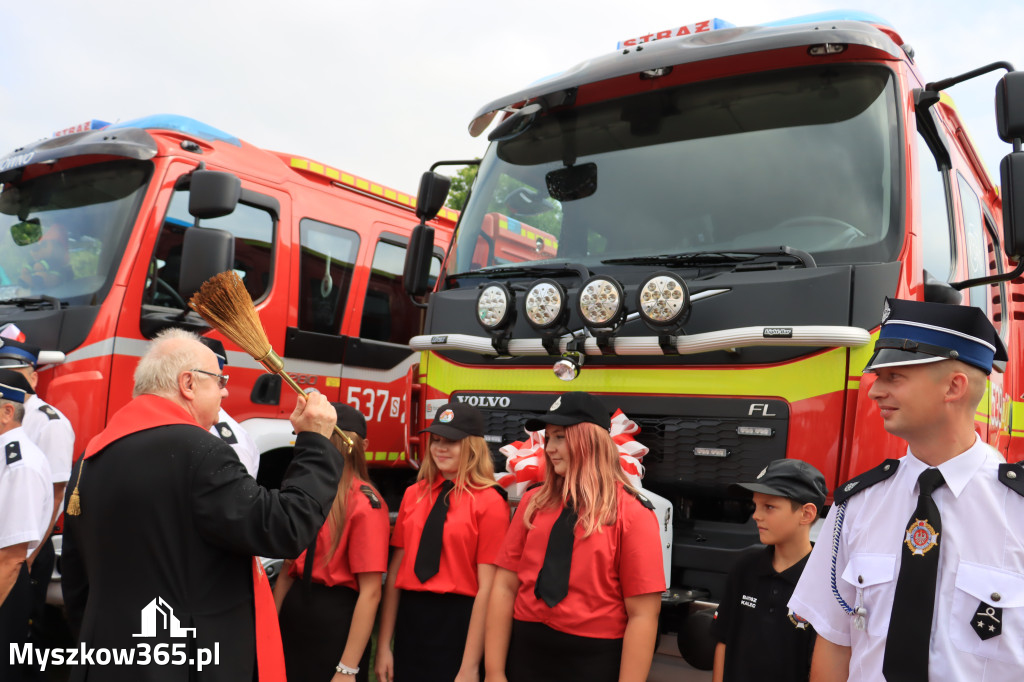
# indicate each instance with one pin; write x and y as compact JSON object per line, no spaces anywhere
{"x":726,"y":339}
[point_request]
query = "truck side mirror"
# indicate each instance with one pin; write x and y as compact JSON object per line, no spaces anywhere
{"x":205,"y":252}
{"x":416,"y":274}
{"x":432,"y":195}
{"x":1010,"y":106}
{"x":1011,"y":175}
{"x":213,"y":194}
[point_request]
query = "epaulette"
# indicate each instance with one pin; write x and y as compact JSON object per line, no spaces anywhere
{"x":501,"y":491}
{"x":1012,"y":476}
{"x":370,"y":495}
{"x":13,"y":452}
{"x":226,"y":434}
{"x":865,"y":480}
{"x":640,"y":497}
{"x":535,"y":485}
{"x":49,"y":412}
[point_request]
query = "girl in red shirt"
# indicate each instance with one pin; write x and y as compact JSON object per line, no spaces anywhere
{"x":449,"y":529}
{"x":327,"y":619}
{"x":578,"y":588}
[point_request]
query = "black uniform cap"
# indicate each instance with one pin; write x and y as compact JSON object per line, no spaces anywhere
{"x":914,"y":333}
{"x":14,"y":386}
{"x":18,"y":353}
{"x":576,"y":407}
{"x":793,"y":479}
{"x":350,"y":419}
{"x":455,"y":421}
{"x":218,"y":349}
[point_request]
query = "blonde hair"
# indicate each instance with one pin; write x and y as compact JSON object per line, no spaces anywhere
{"x":590,"y":483}
{"x":476,"y":471}
{"x":355,"y":467}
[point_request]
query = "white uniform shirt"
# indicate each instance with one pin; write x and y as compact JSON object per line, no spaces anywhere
{"x":228,"y":430}
{"x":26,"y":491}
{"x":981,"y":560}
{"x":48,"y":428}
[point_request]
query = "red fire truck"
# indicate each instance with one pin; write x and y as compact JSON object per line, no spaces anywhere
{"x":107,"y":230}
{"x":701,"y":228}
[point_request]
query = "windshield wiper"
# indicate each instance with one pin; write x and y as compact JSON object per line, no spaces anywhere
{"x":33,"y":302}
{"x":564,"y":268}
{"x":744,"y":257}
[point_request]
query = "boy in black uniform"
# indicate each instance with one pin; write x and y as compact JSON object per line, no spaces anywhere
{"x":759,"y":638}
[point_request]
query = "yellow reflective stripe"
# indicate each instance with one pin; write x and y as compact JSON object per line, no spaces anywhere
{"x":347,"y":179}
{"x":797,"y":380}
{"x":853,"y":384}
{"x":1017,"y":418}
{"x":393,"y":456}
{"x":362,"y":184}
{"x":376,"y":189}
{"x":300,"y":163}
{"x":333,"y":174}
{"x":316,"y":168}
{"x":391,"y":194}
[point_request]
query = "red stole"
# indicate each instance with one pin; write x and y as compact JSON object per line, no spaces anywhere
{"x":148,"y":412}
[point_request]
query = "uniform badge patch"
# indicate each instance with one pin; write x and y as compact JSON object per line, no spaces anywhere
{"x":763,"y":472}
{"x":226,"y":434}
{"x":987,"y":621}
{"x":370,"y":495}
{"x":798,"y":622}
{"x":49,"y":412}
{"x":921,"y":537}
{"x":555,"y":405}
{"x":446,"y":416}
{"x":885,"y":311}
{"x":13,"y":452}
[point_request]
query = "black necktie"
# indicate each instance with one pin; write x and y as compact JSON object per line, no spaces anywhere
{"x":910,"y":626}
{"x":553,"y":579}
{"x":428,"y":556}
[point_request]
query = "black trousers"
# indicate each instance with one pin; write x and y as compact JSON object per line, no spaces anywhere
{"x":315,"y":620}
{"x":538,"y":653}
{"x":15,"y":613}
{"x":430,"y":636}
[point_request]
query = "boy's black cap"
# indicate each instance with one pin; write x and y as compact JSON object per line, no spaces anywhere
{"x":350,"y":419}
{"x":573,"y":408}
{"x":455,"y":421}
{"x":14,"y":386}
{"x":18,"y":353}
{"x":793,"y":479}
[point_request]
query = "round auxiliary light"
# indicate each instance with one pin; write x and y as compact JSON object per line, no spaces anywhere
{"x":494,"y":307}
{"x":663,"y":300}
{"x":600,"y":302}
{"x":545,"y":304}
{"x":568,"y":368}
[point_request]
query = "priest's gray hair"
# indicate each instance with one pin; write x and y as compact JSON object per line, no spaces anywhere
{"x":166,"y":358}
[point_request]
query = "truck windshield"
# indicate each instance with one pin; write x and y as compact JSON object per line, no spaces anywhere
{"x":805,"y":158}
{"x":62,"y":234}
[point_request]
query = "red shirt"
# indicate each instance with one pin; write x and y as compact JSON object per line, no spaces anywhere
{"x":615,"y":562}
{"x":363,"y":547}
{"x":473,"y":532}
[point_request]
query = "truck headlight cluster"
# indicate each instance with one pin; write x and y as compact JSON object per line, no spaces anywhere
{"x":494,"y":307}
{"x":545,"y":304}
{"x":663,"y":301}
{"x":600,"y":303}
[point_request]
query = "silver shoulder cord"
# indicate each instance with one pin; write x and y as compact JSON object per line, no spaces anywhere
{"x":859,"y":612}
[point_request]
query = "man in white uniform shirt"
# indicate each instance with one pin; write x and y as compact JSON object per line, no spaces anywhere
{"x":26,"y":506}
{"x":226,"y":428}
{"x":928,"y":584}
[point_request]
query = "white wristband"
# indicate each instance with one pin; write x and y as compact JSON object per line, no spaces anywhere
{"x":345,"y":670}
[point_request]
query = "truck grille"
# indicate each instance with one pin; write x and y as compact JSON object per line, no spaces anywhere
{"x":694,"y":443}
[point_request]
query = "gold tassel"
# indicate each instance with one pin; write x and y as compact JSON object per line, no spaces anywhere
{"x":74,"y":505}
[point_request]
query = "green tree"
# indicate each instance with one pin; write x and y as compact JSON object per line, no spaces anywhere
{"x":461,"y":182}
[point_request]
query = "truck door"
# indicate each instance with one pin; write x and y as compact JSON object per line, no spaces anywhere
{"x":378,"y":374}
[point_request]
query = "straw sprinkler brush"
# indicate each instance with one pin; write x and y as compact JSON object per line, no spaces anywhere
{"x":226,"y":305}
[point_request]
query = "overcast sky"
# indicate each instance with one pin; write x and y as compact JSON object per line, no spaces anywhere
{"x":384,"y":88}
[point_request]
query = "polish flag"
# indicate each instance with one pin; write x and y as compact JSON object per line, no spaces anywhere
{"x":11,"y":331}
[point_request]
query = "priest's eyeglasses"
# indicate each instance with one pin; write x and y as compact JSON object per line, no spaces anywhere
{"x":222,"y":379}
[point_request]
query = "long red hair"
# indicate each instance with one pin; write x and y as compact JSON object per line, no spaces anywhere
{"x":590,"y":483}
